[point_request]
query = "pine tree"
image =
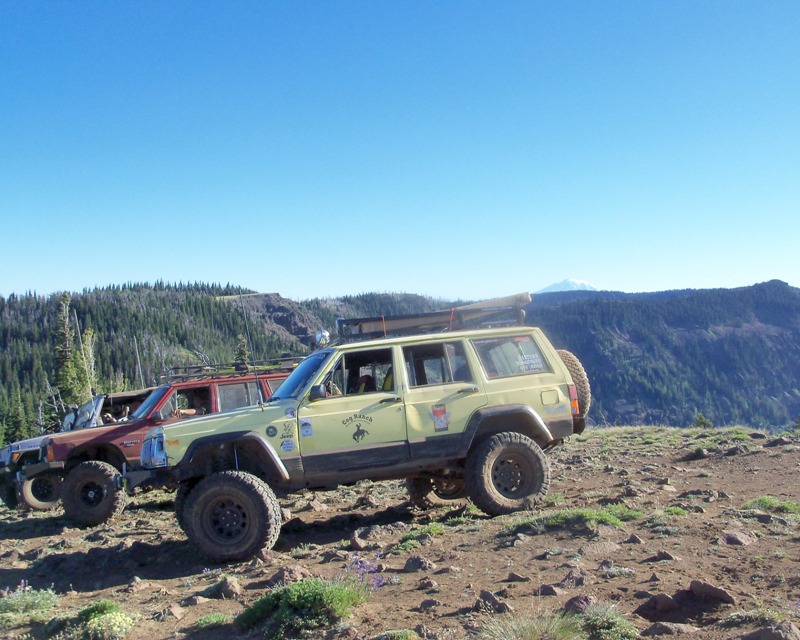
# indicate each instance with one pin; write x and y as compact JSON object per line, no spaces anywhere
{"x":241,"y":349}
{"x":66,"y":377}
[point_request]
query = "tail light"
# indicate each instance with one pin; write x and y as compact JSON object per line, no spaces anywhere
{"x":573,"y":400}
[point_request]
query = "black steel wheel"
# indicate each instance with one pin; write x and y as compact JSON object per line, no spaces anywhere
{"x":507,"y":472}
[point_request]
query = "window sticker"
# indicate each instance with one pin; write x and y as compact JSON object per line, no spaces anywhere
{"x":306,"y":428}
{"x":287,"y":445}
{"x":441,"y":417}
{"x":272,"y":431}
{"x":290,"y":413}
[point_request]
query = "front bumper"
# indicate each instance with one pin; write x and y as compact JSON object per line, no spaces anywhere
{"x":37,"y":468}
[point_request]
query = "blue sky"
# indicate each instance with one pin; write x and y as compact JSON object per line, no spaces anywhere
{"x":453,"y":149}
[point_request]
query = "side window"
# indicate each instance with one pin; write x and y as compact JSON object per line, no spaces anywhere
{"x":362,"y":372}
{"x":187,"y":402}
{"x":239,"y":394}
{"x":437,"y":363}
{"x":510,"y":356}
{"x":274,"y":384}
{"x":169,"y":407}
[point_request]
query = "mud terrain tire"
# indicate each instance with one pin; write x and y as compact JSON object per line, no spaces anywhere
{"x":90,"y":495}
{"x":232,"y":515}
{"x":580,"y":379}
{"x":426,"y":493}
{"x":181,"y":496}
{"x":505,"y":473}
{"x":40,"y":493}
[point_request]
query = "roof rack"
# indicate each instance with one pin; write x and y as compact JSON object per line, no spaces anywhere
{"x":490,"y":313}
{"x":232,"y":369}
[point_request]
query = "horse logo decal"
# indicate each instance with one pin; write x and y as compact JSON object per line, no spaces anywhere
{"x":360,"y":433}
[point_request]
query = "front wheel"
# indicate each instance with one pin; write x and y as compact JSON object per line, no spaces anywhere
{"x":90,"y":495}
{"x":232,"y":515}
{"x":41,"y":493}
{"x":505,"y":473}
{"x":427,"y":493}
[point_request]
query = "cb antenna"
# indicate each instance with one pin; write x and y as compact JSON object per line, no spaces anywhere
{"x":250,"y":342}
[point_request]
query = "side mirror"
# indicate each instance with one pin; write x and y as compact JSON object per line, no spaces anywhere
{"x":317,"y":392}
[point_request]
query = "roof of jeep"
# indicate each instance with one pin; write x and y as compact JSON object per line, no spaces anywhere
{"x":443,"y":336}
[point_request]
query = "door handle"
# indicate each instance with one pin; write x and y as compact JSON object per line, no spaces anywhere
{"x":468,"y":390}
{"x":391,"y":400}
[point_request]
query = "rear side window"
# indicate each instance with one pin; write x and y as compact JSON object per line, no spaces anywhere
{"x":510,"y":356}
{"x":436,"y":363}
{"x":239,"y":394}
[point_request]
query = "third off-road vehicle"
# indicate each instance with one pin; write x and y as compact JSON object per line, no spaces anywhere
{"x":459,"y":413}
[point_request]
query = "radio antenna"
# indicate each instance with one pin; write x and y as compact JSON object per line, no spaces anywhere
{"x":250,"y":342}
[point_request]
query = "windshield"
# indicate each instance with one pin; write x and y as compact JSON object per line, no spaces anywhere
{"x":300,"y":377}
{"x":85,"y":416}
{"x":146,"y":408}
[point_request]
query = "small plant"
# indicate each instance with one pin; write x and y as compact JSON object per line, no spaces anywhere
{"x":675,"y":511}
{"x":399,"y":634}
{"x":603,"y":622}
{"x":308,"y":604}
{"x":212,"y":621}
{"x":108,"y":626}
{"x":365,"y":571}
{"x":26,"y":601}
{"x":550,"y":626}
{"x":771,"y":504}
{"x":761,"y":617}
{"x":612,"y":515}
{"x":99,"y":608}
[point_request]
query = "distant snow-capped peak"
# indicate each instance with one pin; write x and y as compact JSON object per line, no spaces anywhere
{"x":569,"y":285}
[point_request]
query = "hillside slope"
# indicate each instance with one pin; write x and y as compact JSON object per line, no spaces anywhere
{"x":731,"y":354}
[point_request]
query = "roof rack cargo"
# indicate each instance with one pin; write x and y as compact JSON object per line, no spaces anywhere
{"x":232,"y":369}
{"x":489,"y":313}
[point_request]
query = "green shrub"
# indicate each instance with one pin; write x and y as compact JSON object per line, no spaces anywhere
{"x":603,"y":622}
{"x":770,"y":503}
{"x":108,"y":626}
{"x":25,"y":601}
{"x":99,"y":608}
{"x":401,"y":634}
{"x":212,"y":620}
{"x":304,"y":605}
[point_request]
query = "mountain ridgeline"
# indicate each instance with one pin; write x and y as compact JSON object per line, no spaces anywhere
{"x":657,"y":358}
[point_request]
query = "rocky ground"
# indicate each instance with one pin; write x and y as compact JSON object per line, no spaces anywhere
{"x":696,"y":554}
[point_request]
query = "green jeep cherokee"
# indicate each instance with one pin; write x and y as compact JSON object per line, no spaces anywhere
{"x":457,"y":414}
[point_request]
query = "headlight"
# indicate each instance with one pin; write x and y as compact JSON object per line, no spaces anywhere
{"x":153,"y":453}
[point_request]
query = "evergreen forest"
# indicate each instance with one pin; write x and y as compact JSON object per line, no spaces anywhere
{"x":730,"y":356}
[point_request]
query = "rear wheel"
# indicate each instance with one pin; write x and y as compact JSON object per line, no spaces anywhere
{"x":90,"y":495}
{"x":41,"y":492}
{"x":507,"y":472}
{"x":232,"y":515}
{"x":427,"y":493}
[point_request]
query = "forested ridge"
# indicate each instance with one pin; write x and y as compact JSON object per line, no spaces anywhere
{"x":731,"y":354}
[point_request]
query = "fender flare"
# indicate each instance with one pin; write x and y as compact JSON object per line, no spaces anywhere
{"x":263,"y":446}
{"x":536,"y":427}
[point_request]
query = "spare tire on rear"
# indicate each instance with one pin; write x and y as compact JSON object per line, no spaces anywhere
{"x":580,"y":379}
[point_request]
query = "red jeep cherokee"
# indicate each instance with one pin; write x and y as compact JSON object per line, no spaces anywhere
{"x":80,"y":467}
